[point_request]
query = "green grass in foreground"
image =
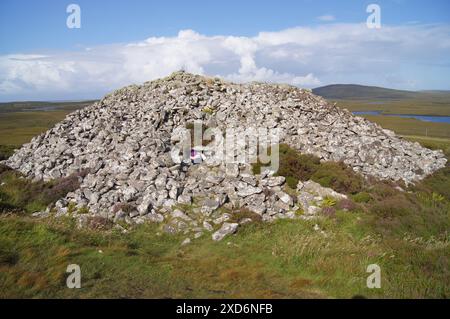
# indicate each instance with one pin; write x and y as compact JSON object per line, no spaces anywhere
{"x":286,"y":259}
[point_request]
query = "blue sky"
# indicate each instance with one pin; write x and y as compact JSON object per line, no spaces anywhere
{"x":305,"y":43}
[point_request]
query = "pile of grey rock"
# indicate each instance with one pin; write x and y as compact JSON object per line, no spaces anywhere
{"x":125,"y":142}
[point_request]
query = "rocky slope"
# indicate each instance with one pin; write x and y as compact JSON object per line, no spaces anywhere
{"x":126,"y":142}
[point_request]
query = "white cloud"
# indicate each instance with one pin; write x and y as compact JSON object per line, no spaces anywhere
{"x":326,"y":18}
{"x":302,"y":56}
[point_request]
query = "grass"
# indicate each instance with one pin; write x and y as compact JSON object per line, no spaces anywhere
{"x":28,"y":106}
{"x":286,"y":259}
{"x":439,"y":106}
{"x":432,"y":143}
{"x":17,"y":128}
{"x":407,"y":126}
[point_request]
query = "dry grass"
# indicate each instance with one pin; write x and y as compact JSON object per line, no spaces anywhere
{"x":17,"y":128}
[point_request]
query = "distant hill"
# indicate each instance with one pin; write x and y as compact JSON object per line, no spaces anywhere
{"x":353,"y":91}
{"x":436,"y":91}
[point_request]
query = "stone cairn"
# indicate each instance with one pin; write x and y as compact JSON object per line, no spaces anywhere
{"x":126,"y":142}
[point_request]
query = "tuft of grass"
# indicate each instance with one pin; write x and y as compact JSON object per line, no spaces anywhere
{"x":329,"y":202}
{"x":208,"y":110}
{"x":71,"y":208}
{"x":362,"y":197}
{"x":83,"y":210}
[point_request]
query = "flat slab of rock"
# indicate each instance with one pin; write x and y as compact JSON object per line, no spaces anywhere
{"x":317,"y":189}
{"x":244,"y":189}
{"x":226,"y":229}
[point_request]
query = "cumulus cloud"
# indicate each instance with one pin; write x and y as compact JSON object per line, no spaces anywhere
{"x":302,"y":56}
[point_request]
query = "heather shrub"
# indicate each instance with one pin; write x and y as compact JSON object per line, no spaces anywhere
{"x":329,"y":211}
{"x":99,"y":223}
{"x":338,"y":176}
{"x":19,"y":193}
{"x":54,"y":190}
{"x":382,"y":190}
{"x":301,"y":167}
{"x":4,"y":168}
{"x":438,"y":182}
{"x":125,"y":207}
{"x":346,"y":204}
{"x":293,"y":165}
{"x":407,"y":213}
{"x":6,"y":151}
{"x":240,"y":214}
{"x":393,"y":206}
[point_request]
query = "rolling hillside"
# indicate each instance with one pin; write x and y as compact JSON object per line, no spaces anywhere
{"x":362,"y":92}
{"x":388,"y":101}
{"x":353,"y":91}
